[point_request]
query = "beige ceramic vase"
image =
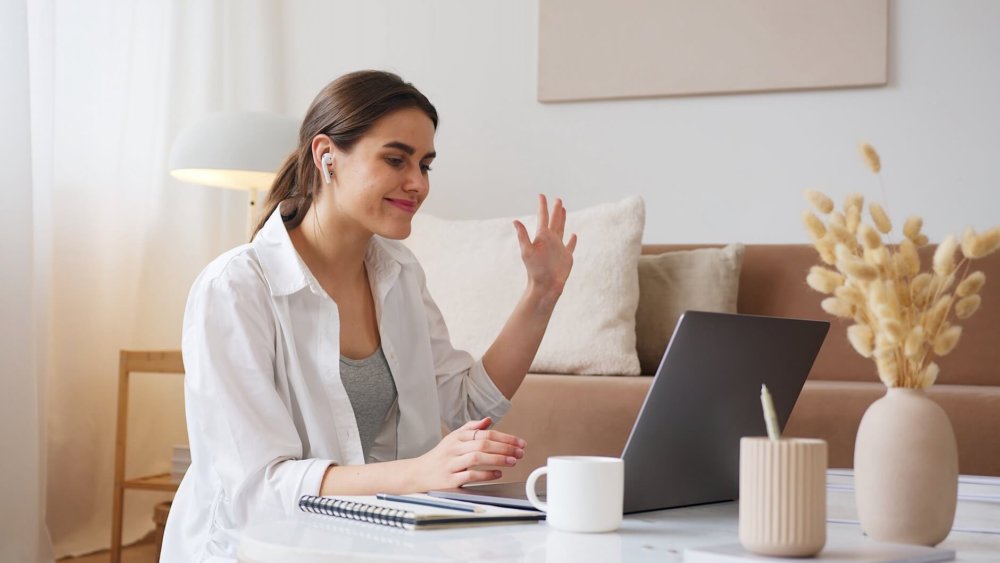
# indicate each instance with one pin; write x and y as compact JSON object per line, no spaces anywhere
{"x":906,"y":469}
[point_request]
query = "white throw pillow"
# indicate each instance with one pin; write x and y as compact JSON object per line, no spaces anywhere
{"x":475,"y":275}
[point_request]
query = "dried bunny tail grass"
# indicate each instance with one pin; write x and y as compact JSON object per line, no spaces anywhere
{"x":921,"y":240}
{"x":826,"y":247}
{"x":888,"y":369}
{"x":851,"y":295}
{"x":940,"y":284}
{"x":856,"y":268}
{"x":854,"y":200}
{"x":909,"y":257}
{"x":852,"y":218}
{"x":824,"y":280}
{"x":862,"y":339}
{"x":920,"y":289}
{"x":871,"y":157}
{"x":914,"y":345}
{"x":877,"y":256}
{"x":968,"y":305}
{"x":971,"y":284}
{"x":929,"y":375}
{"x":900,"y":268}
{"x":935,"y":316}
{"x":969,"y":238}
{"x":845,"y":252}
{"x":947,"y":340}
{"x":813,"y":224}
{"x":889,"y":302}
{"x":837,"y":226}
{"x":880,"y":218}
{"x":988,"y":242}
{"x":944,"y":256}
{"x":837,"y":308}
{"x":911,"y":229}
{"x":820,"y":201}
{"x":869,"y":237}
{"x":893,"y":330}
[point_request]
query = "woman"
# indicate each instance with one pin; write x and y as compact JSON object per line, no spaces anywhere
{"x":316,"y":360}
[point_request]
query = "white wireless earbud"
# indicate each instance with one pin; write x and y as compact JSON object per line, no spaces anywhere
{"x":327,"y":161}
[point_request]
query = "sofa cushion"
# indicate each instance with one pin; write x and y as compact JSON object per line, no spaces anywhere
{"x":705,"y":279}
{"x":475,"y":274}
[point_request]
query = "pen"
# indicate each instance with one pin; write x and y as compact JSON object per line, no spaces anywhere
{"x":429,"y":502}
{"x":770,"y":420}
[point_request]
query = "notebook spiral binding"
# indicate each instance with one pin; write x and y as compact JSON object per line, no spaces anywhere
{"x":355,"y":511}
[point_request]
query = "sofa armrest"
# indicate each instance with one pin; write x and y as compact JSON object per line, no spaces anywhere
{"x":832,"y":410}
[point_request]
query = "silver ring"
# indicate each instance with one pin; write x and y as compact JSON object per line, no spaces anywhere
{"x":474,"y":435}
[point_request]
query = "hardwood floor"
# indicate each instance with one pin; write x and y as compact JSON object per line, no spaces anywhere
{"x":141,"y":552}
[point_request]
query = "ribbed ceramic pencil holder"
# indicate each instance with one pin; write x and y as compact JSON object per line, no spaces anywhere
{"x":783,"y":496}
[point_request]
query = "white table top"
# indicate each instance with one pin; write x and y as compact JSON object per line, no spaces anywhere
{"x":652,"y":536}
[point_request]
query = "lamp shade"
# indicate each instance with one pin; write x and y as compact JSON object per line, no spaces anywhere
{"x":233,"y":150}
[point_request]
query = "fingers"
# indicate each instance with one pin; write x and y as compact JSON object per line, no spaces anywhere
{"x":558,"y":218}
{"x":476,"y":476}
{"x":480,"y":459}
{"x":522,"y":235}
{"x":491,"y":447}
{"x":480,"y":424}
{"x":543,"y":213}
{"x":494,"y":436}
{"x":571,"y":245}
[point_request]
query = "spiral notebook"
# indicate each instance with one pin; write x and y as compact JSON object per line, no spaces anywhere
{"x":411,"y":516}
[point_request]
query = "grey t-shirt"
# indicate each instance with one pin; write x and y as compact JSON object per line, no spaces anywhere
{"x":372,"y":392}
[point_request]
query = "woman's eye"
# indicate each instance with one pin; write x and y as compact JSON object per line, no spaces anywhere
{"x":394,"y":161}
{"x":425,"y":167}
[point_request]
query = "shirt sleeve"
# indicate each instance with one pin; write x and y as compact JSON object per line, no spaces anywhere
{"x":236,"y":417}
{"x":465,"y":390}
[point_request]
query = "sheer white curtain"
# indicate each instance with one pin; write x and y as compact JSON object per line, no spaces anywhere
{"x":112,"y":81}
{"x":23,"y":302}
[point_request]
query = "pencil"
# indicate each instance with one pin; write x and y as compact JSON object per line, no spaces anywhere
{"x":464,"y":507}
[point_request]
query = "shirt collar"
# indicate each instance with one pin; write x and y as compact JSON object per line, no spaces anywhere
{"x":286,"y":273}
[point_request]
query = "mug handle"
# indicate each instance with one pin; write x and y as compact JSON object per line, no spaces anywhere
{"x":529,"y":489}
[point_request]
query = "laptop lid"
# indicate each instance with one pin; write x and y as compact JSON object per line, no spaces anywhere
{"x":705,"y":396}
{"x":684,"y":446}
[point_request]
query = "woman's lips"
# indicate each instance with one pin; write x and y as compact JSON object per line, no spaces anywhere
{"x":404,"y":204}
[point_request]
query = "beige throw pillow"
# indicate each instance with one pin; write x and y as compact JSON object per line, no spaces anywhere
{"x":476,"y":277}
{"x":705,"y":279}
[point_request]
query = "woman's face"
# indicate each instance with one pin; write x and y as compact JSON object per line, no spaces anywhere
{"x":383,"y":180}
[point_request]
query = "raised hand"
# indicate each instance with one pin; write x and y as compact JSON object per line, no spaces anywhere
{"x":547,"y":259}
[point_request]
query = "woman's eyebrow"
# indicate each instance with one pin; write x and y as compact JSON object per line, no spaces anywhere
{"x":406,"y":148}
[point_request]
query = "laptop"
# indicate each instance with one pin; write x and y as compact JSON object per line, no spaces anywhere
{"x":684,"y":448}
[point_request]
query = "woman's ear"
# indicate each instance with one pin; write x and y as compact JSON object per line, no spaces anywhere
{"x":323,"y":153}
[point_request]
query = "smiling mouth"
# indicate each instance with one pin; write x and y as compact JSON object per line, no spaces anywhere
{"x":404,"y":204}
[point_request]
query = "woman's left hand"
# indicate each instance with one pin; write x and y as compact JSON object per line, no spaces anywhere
{"x":547,"y":259}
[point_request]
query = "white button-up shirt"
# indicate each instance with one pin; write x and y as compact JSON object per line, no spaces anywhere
{"x":267,"y":412}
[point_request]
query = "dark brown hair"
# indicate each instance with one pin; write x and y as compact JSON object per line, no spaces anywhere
{"x":344,"y":111}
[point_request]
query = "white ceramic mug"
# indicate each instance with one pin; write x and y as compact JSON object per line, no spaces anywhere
{"x":584,"y":494}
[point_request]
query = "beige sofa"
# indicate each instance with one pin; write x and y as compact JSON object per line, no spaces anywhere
{"x":592,"y":415}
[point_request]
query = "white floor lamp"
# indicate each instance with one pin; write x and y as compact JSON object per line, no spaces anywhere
{"x":234,"y":150}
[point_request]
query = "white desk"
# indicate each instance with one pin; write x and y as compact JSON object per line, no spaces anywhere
{"x":652,"y":536}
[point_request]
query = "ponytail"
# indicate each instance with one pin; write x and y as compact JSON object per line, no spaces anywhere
{"x":285,"y":188}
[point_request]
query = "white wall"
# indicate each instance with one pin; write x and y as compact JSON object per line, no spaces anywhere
{"x":711,"y":168}
{"x":20,"y":429}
